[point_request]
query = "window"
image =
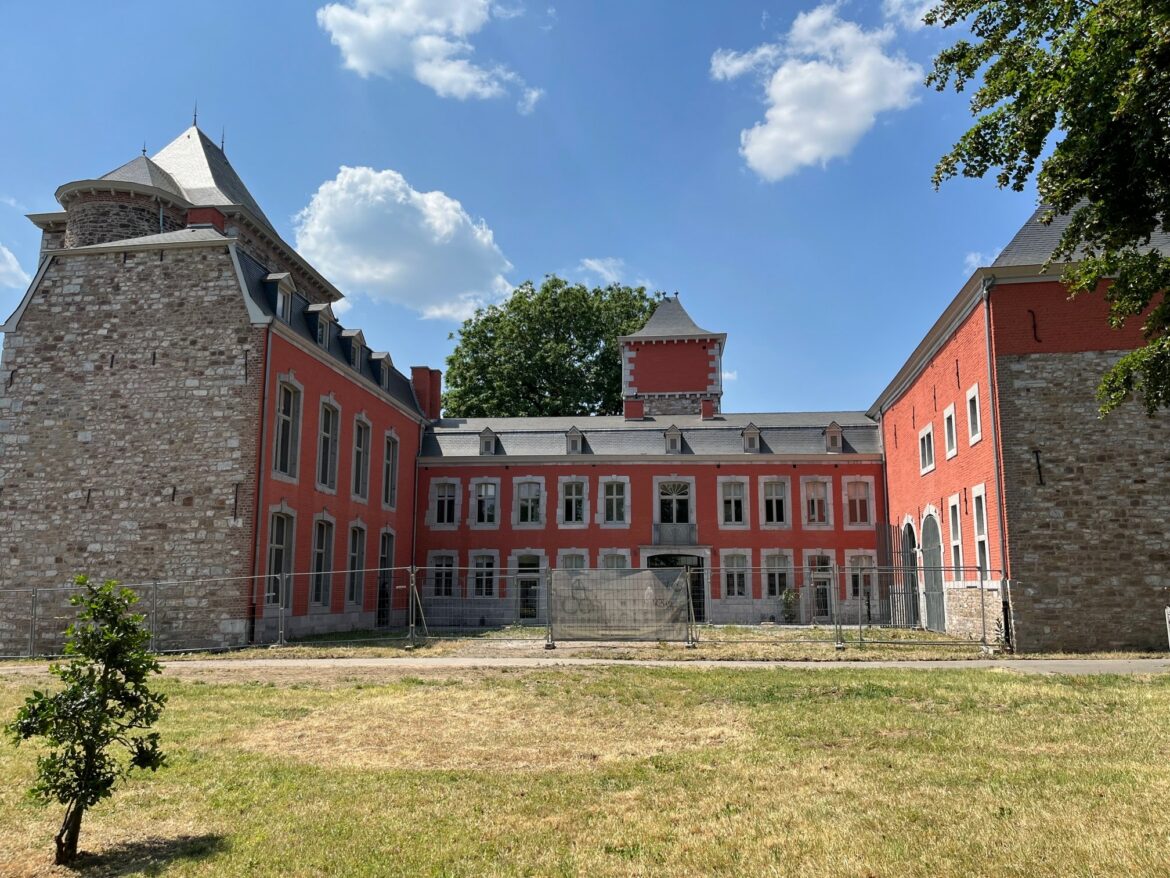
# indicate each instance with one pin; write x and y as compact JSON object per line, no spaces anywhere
{"x":956,"y":538}
{"x":573,"y":502}
{"x":486,"y":500}
{"x":573,"y":441}
{"x":674,"y":502}
{"x":390,"y":472}
{"x":857,"y":497}
{"x":445,"y":502}
{"x":322,"y":332}
{"x":615,"y":561}
{"x":327,"y":447}
{"x":355,"y":354}
{"x":735,"y":576}
{"x":974,"y":431}
{"x":361,"y":459}
{"x":572,"y":561}
{"x":288,"y":429}
{"x":861,"y":570}
{"x":751,"y":438}
{"x":673,"y":441}
{"x":487,"y":442}
{"x":280,"y":543}
{"x":528,"y":503}
{"x":833,"y":438}
{"x":483,"y":571}
{"x":816,"y":502}
{"x":615,"y":502}
{"x":322,"y":574}
{"x":949,"y":431}
{"x":386,"y":550}
{"x":926,"y":449}
{"x":979,"y":503}
{"x":357,"y":564}
{"x":732,"y":493}
{"x":284,"y":305}
{"x":443,"y":576}
{"x":775,"y":493}
{"x":776,"y":575}
{"x":384,"y":376}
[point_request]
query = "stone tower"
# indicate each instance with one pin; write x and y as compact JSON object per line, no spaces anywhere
{"x":672,"y":366}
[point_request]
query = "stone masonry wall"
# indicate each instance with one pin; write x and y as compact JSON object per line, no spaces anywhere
{"x":1090,"y":539}
{"x":689,"y":404}
{"x":129,"y":400}
{"x":116,"y":216}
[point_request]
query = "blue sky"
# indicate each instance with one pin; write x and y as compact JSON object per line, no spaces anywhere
{"x":770,"y":162}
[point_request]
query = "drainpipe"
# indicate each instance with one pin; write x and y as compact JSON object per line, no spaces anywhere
{"x":256,"y":519}
{"x":1001,"y":502}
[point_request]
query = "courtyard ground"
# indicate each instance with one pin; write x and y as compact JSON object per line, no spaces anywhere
{"x":332,"y":768}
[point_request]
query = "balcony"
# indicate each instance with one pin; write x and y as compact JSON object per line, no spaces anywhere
{"x":675,"y":535}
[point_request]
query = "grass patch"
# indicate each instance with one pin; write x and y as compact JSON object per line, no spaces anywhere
{"x":616,"y":771}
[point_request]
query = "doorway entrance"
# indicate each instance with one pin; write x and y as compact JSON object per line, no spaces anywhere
{"x":697,"y":583}
{"x":528,"y":582}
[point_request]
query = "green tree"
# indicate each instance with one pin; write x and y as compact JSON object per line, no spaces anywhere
{"x":1088,"y":80}
{"x":545,"y":352}
{"x":99,"y":713}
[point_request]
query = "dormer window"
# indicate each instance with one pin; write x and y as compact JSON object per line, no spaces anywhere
{"x":674,"y":440}
{"x":834,"y":444}
{"x":573,"y":441}
{"x":751,"y":439}
{"x":355,"y":355}
{"x":284,"y":306}
{"x":320,"y":318}
{"x":322,"y":332}
{"x":384,"y":376}
{"x":487,"y":442}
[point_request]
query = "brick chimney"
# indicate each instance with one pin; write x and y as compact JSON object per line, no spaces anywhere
{"x":427,"y":384}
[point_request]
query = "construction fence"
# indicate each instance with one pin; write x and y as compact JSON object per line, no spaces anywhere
{"x":826,"y":603}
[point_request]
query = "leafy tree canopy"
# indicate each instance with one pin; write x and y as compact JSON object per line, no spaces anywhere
{"x":1093,"y":76}
{"x":103,"y":711}
{"x":545,"y":352}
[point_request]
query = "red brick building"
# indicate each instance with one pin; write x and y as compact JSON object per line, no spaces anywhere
{"x":179,"y":403}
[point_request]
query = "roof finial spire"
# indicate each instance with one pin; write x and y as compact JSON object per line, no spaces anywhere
{"x":144,"y":147}
{"x":222,"y":134}
{"x":195,"y":115}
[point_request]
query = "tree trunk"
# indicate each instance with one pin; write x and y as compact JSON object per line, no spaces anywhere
{"x":70,"y":831}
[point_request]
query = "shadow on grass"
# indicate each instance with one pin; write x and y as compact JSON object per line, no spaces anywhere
{"x":148,"y":856}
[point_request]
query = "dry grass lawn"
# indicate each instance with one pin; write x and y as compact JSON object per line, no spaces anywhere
{"x":616,"y":771}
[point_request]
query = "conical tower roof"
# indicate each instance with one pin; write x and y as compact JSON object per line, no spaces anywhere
{"x":203,"y":172}
{"x":144,"y":171}
{"x":670,"y":320}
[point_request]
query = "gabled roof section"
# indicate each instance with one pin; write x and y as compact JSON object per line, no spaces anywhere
{"x":1035,"y":241}
{"x":145,"y":172}
{"x":670,"y":320}
{"x":204,"y":174}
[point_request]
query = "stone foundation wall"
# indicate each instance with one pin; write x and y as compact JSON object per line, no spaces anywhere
{"x":128,"y":433}
{"x":969,"y":608}
{"x":1089,"y":517}
{"x":674,"y":405}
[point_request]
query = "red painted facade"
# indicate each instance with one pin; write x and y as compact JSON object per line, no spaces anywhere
{"x":682,"y":366}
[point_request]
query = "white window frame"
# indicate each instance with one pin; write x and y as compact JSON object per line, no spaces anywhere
{"x":673,"y":439}
{"x":322,"y":332}
{"x":950,"y":431}
{"x":541,"y":499}
{"x":847,"y":506}
{"x":289,"y":550}
{"x":982,"y":541}
{"x":602,"y":554}
{"x":433,"y":565}
{"x":854,"y":590}
{"x":355,"y":578}
{"x":955,"y":533}
{"x":768,"y":568}
{"x":382,"y":534}
{"x":487,"y":445}
{"x":562,"y":483}
{"x":574,"y":442}
{"x":359,"y":482}
{"x":627,"y":504}
{"x":805,"y":483}
{"x":658,"y":481}
{"x":786,"y":497}
{"x":433,"y":504}
{"x":974,"y":430}
{"x":329,"y":487}
{"x":725,"y":567}
{"x":473,"y":486}
{"x":284,"y":305}
{"x":474,"y":588}
{"x":925,"y":441}
{"x":745,"y":502}
{"x":390,"y":469}
{"x":325,"y":573}
{"x":562,"y":554}
{"x":296,"y":419}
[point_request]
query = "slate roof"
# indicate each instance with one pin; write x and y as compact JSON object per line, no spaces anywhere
{"x":1035,"y":241}
{"x":780,"y":433}
{"x":188,"y":235}
{"x":204,"y":174}
{"x":143,"y":170}
{"x":670,"y":320}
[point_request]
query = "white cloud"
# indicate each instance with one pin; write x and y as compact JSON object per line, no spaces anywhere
{"x":977,"y":259}
{"x":608,"y":268}
{"x":11,"y":202}
{"x":730,"y":374}
{"x":341,"y":307}
{"x":374,"y":234}
{"x":426,"y":39}
{"x":826,"y":82}
{"x":907,"y":13}
{"x":11,"y":274}
{"x":527,"y":102}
